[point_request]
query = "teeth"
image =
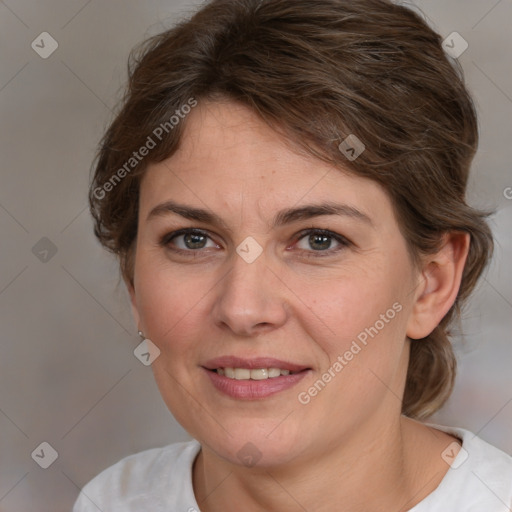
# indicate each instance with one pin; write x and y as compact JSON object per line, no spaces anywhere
{"x":242,"y":373}
{"x":260,"y":374}
{"x":274,"y":372}
{"x":255,"y":374}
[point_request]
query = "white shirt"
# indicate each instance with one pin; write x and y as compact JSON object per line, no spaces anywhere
{"x":160,"y":480}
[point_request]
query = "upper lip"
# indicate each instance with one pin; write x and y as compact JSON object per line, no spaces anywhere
{"x":254,"y":363}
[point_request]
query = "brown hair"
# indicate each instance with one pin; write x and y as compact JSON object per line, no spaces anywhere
{"x":318,"y":71}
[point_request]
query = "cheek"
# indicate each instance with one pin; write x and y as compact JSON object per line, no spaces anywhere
{"x":366,"y":316}
{"x":356,"y":304}
{"x":168,"y":302}
{"x":334,"y":308}
{"x":365,"y":356}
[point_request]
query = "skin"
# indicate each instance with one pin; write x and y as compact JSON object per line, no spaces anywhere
{"x":210,"y":302}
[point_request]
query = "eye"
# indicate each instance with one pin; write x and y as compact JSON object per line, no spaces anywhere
{"x":317,"y":242}
{"x":321,"y":241}
{"x":186,"y":240}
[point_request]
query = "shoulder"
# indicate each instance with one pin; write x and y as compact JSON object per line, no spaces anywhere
{"x":150,"y":480}
{"x":479,"y":478}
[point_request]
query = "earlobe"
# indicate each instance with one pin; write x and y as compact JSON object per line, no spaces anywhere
{"x":440,"y":282}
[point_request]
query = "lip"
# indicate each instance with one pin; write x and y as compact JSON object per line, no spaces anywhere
{"x":252,"y":364}
{"x":254,"y":389}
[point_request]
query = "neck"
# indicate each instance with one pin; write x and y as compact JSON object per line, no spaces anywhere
{"x":383,"y":461}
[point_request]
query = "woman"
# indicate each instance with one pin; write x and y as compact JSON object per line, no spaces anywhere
{"x":284,"y":187}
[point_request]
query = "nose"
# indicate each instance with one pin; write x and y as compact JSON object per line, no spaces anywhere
{"x":251,"y":299}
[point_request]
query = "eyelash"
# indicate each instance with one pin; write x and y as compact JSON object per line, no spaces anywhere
{"x":166,"y":240}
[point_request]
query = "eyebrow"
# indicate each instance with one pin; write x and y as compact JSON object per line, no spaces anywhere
{"x":283,"y":217}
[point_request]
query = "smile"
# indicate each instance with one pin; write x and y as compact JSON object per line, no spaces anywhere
{"x":253,"y":378}
{"x":252,"y":374}
{"x":246,"y":385}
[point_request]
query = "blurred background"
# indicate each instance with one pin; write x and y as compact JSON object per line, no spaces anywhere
{"x":68,"y":375}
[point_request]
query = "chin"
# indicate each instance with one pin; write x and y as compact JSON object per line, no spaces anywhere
{"x":254,"y":447}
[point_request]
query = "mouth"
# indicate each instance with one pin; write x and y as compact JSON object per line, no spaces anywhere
{"x":250,"y":379}
{"x":253,"y":374}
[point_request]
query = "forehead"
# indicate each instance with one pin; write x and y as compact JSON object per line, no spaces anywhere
{"x":228,"y":158}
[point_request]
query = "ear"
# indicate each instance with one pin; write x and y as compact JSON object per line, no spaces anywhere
{"x":439,"y":285}
{"x":133,"y":302}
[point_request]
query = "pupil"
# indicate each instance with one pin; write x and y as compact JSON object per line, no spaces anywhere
{"x":326,"y":241}
{"x":191,"y":239}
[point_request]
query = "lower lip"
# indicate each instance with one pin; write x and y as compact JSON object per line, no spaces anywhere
{"x":254,"y":389}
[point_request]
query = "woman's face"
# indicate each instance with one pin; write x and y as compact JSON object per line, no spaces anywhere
{"x":262,"y":284}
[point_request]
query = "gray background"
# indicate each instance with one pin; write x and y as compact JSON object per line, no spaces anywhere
{"x":68,"y":375}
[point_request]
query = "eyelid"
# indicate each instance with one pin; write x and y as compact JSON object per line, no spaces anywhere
{"x":168,"y":237}
{"x":342,"y":241}
{"x":322,"y":231}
